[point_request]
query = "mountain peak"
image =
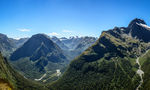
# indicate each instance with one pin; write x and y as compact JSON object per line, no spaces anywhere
{"x":136,"y":21}
{"x":40,"y":35}
{"x":33,"y":44}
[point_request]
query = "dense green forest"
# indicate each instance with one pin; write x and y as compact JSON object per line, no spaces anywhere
{"x":109,"y":64}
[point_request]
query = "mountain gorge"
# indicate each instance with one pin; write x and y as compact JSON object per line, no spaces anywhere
{"x":19,"y":42}
{"x":85,"y":43}
{"x":110,"y":63}
{"x":59,"y":43}
{"x":76,"y":45}
{"x":75,"y":42}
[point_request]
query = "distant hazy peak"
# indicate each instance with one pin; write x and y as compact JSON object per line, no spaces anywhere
{"x":3,"y":35}
{"x":62,"y":38}
{"x":54,"y":38}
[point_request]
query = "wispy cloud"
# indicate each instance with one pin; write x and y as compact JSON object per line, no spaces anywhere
{"x":68,"y":31}
{"x":53,"y":34}
{"x":24,"y":30}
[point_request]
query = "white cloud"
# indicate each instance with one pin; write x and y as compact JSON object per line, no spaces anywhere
{"x":24,"y":30}
{"x":53,"y":34}
{"x":68,"y":31}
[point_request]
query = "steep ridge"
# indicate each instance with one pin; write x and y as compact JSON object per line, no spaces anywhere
{"x":11,"y":80}
{"x":110,"y":63}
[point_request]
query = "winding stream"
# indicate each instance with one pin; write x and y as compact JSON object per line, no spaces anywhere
{"x":140,"y":72}
{"x":40,"y":78}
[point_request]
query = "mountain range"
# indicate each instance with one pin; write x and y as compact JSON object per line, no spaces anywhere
{"x":117,"y":60}
{"x":41,"y":55}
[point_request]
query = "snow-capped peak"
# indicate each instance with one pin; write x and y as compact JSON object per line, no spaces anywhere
{"x":144,"y":25}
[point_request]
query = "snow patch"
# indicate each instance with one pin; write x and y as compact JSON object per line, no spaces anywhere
{"x":144,"y":25}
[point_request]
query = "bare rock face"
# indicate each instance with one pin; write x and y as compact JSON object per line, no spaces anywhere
{"x":139,"y":29}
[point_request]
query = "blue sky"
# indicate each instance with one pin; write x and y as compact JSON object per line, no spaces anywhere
{"x":23,"y":18}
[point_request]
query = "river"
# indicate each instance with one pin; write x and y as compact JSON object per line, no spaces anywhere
{"x":140,"y":72}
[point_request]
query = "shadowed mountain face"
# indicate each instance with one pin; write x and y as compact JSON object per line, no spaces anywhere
{"x":110,"y":63}
{"x":139,"y":29}
{"x":37,"y":46}
{"x":38,"y":55}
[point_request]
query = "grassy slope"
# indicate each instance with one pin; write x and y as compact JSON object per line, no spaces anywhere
{"x":105,"y":65}
{"x":145,"y":62}
{"x":15,"y":80}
